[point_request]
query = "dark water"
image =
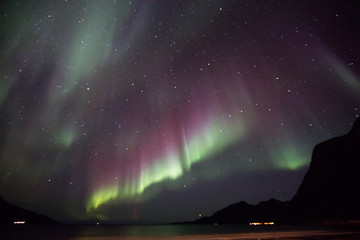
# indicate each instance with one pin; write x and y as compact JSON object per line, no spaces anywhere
{"x":119,"y":232}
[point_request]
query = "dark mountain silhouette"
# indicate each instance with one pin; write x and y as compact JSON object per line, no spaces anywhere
{"x":330,"y":189}
{"x":242,"y":212}
{"x":10,"y":213}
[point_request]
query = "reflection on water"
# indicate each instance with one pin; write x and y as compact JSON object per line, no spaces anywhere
{"x":162,"y":230}
{"x":120,"y":232}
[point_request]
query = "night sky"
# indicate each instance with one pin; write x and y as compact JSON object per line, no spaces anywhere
{"x":159,"y":111}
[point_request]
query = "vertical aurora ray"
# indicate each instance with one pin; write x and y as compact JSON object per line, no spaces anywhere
{"x":86,"y":51}
{"x":208,"y":140}
{"x":288,"y":157}
{"x":346,"y":75}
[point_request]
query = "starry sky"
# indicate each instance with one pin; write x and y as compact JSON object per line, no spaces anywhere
{"x":160,"y":111}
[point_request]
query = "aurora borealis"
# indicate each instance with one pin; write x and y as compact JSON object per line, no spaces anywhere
{"x":157,"y":111}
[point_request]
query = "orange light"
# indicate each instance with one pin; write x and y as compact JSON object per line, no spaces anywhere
{"x":19,"y":222}
{"x":255,"y":223}
{"x":269,"y":223}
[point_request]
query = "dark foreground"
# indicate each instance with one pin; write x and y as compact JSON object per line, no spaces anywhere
{"x":231,"y":232}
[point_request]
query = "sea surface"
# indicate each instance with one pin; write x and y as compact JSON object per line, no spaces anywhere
{"x":212,"y":232}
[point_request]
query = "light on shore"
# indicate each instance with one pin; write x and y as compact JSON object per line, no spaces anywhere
{"x":19,"y":222}
{"x":260,"y":223}
{"x":255,"y":223}
{"x":269,"y":223}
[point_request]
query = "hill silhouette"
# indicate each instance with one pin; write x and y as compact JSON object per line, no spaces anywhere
{"x":330,"y":189}
{"x":242,"y":212}
{"x":11,"y":213}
